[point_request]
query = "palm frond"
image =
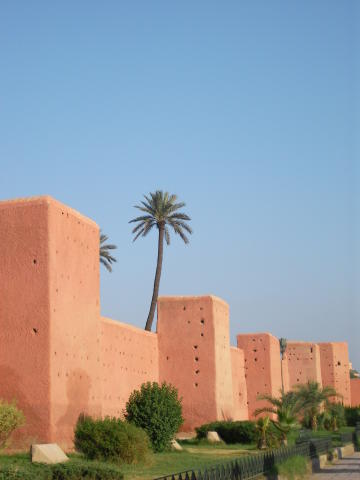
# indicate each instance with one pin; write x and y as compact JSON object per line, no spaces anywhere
{"x":161,"y":209}
{"x":106,"y":258}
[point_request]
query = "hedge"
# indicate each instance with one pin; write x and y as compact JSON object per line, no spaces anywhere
{"x":230,"y":432}
{"x":71,"y":470}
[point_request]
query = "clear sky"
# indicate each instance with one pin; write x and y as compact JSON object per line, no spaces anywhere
{"x":248,"y":110}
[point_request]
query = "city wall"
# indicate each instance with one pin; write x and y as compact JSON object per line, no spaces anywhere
{"x":60,"y":358}
{"x":355,"y":392}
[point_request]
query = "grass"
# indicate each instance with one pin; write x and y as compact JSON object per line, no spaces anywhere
{"x":196,"y":455}
{"x":294,"y":467}
{"x":20,"y":467}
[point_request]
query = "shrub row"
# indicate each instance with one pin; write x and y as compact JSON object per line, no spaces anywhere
{"x":352,"y":416}
{"x":72,"y":470}
{"x":230,"y":432}
{"x":111,"y":439}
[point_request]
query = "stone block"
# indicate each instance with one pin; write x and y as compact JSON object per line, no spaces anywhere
{"x":176,"y":446}
{"x":346,"y":451}
{"x":48,"y":453}
{"x":213,"y":437}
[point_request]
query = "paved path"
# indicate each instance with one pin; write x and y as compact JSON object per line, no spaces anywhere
{"x":346,"y":469}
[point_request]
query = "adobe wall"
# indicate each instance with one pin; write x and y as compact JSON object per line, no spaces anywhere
{"x":262,"y":367}
{"x":240,"y":411}
{"x":335,"y":370}
{"x":129,"y":357}
{"x":75,"y":368}
{"x":60,"y":358}
{"x":355,"y":392}
{"x":303,"y":362}
{"x":25,"y":311}
{"x":191,"y":334}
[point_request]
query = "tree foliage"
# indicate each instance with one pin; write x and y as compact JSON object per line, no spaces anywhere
{"x":313,"y":399}
{"x":286,"y":407}
{"x":11,"y":418}
{"x":157,"y":409}
{"x":160,"y":210}
{"x":105,"y":252}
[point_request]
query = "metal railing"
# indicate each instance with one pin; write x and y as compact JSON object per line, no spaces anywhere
{"x":346,"y":437}
{"x":251,"y":466}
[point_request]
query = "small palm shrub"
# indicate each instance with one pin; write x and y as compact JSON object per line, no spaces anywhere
{"x":230,"y":432}
{"x":266,"y":434}
{"x":111,"y":439}
{"x":11,"y":418}
{"x":157,"y":409}
{"x":333,"y":417}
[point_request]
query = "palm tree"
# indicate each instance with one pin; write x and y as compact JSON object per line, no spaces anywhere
{"x":161,"y":211}
{"x":283,"y":345}
{"x":265,"y":436}
{"x":286,"y":408}
{"x":313,"y":398}
{"x":105,"y":256}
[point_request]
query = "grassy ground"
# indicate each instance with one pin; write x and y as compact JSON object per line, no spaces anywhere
{"x":293,"y":468}
{"x":195,"y":455}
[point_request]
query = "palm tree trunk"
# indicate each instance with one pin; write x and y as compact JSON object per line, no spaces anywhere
{"x":150,"y":318}
{"x":313,"y":422}
{"x":282,"y":376}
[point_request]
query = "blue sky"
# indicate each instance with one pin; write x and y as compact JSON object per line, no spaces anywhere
{"x":248,"y":110}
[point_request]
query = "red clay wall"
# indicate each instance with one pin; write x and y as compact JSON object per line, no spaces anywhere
{"x":129,"y":357}
{"x":75,"y":368}
{"x":335,"y":370}
{"x":59,"y":358}
{"x":303,"y":362}
{"x":188,"y":334}
{"x":24,"y":313}
{"x":262,"y":367}
{"x":240,"y":411}
{"x":355,"y":392}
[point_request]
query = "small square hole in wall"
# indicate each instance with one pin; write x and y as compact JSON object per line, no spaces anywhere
{"x":202,"y":321}
{"x":196,"y":384}
{"x":196,"y":359}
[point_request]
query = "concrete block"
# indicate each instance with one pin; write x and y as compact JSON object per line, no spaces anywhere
{"x":346,"y":451}
{"x":318,"y":463}
{"x":213,"y":437}
{"x":176,"y":446}
{"x":47,"y":453}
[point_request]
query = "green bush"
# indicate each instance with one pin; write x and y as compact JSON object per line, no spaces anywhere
{"x":111,"y":439}
{"x":294,"y":467}
{"x":72,"y":470}
{"x":11,"y":418}
{"x":230,"y":432}
{"x":157,"y":409}
{"x":352,"y":415}
{"x":332,"y":418}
